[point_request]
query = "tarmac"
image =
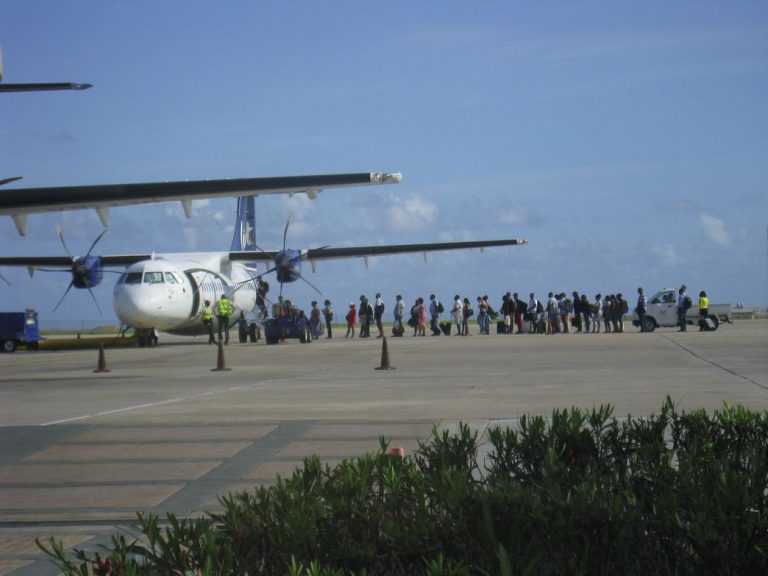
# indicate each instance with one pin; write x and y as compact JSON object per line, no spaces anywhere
{"x":81,"y":452}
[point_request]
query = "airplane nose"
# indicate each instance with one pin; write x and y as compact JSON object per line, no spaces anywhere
{"x":143,"y":308}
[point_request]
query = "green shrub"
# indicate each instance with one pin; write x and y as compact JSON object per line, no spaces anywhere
{"x":576,"y":493}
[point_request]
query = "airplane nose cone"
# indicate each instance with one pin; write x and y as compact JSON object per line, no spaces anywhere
{"x":144,"y":308}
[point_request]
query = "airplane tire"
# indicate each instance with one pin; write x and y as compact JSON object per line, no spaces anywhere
{"x":152,"y":341}
{"x":713,"y":323}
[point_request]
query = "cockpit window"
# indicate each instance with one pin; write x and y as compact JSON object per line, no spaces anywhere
{"x":131,"y":278}
{"x":153,"y":277}
{"x":170,"y":278}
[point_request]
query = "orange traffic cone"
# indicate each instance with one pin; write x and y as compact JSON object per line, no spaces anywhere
{"x":385,"y":356}
{"x":102,"y":366}
{"x":221,"y":365}
{"x":396,"y":451}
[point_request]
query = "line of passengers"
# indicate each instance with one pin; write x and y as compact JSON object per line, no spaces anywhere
{"x":558,"y":314}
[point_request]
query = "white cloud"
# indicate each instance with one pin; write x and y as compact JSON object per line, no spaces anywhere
{"x":715,"y":230}
{"x":665,"y":254}
{"x":411,"y":214}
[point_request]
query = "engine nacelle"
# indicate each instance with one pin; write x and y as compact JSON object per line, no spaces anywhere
{"x":288,"y":265}
{"x":87,"y":271}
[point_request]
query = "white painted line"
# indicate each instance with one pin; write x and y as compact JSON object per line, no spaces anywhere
{"x":153,"y":404}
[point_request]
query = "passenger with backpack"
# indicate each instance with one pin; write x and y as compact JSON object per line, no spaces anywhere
{"x":378,"y":312}
{"x":521,"y":308}
{"x":466,"y":314}
{"x":435,"y":308}
{"x":683,"y":303}
{"x":620,"y":308}
{"x":397,"y":327}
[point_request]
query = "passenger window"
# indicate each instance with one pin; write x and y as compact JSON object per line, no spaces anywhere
{"x":153,"y":277}
{"x":170,"y":278}
{"x":133,"y":278}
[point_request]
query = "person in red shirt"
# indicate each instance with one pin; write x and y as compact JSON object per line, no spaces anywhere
{"x":351,"y":317}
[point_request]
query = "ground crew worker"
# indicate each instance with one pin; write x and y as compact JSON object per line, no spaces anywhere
{"x":207,"y":316}
{"x":224,"y":310}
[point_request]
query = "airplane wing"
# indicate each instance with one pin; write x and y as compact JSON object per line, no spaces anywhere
{"x":19,"y":202}
{"x":327,"y":253}
{"x":42,"y":86}
{"x":66,"y":261}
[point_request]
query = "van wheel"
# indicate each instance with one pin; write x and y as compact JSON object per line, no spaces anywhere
{"x":649,"y":325}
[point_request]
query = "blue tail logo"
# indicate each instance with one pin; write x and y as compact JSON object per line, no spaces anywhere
{"x":244,"y":238}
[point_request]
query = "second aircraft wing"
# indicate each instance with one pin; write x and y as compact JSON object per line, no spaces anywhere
{"x":18,"y":202}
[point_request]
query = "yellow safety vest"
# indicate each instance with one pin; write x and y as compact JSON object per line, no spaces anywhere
{"x":224,"y":308}
{"x":207,"y":313}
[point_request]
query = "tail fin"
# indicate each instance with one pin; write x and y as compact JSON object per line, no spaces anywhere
{"x":244,"y":237}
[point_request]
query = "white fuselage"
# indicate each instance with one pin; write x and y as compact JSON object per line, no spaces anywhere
{"x":167,"y":292}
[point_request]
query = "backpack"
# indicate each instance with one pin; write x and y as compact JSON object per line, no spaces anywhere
{"x":440,"y":308}
{"x":624,"y":307}
{"x":687,"y":302}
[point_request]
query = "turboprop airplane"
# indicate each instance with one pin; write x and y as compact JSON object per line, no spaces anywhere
{"x":165,"y":292}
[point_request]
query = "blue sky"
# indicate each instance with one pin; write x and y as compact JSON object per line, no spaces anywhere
{"x":628,"y":142}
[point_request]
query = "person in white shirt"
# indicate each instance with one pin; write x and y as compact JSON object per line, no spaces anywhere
{"x":456,"y":314}
{"x":597,"y":313}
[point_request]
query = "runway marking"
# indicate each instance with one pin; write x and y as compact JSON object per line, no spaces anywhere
{"x":713,"y":363}
{"x":153,"y":404}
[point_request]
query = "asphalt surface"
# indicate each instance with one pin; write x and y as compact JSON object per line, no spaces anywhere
{"x":81,"y":452}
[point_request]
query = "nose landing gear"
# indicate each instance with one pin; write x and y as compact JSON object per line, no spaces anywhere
{"x":147,"y":338}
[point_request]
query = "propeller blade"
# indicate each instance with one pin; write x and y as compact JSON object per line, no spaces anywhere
{"x":65,"y":295}
{"x":312,"y":285}
{"x":285,"y":232}
{"x":4,"y":279}
{"x":9,"y":180}
{"x":61,"y":238}
{"x":94,"y":300}
{"x":99,"y":237}
{"x":253,"y":278}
